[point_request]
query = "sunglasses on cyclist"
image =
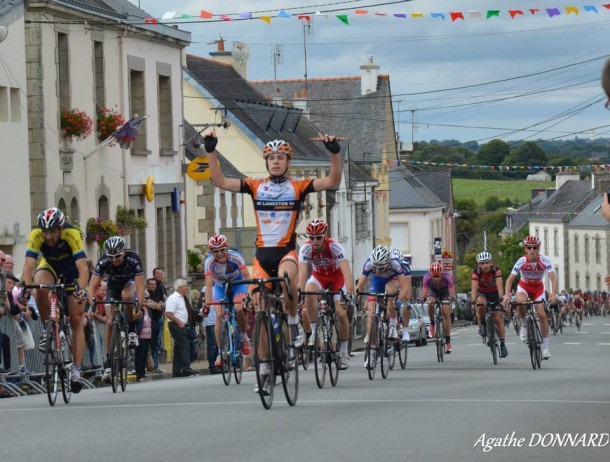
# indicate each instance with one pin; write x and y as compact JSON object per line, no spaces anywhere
{"x":115,"y":257}
{"x":221,"y":250}
{"x":532,"y":248}
{"x":315,"y":238}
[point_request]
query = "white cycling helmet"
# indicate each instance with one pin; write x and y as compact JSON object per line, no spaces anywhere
{"x":483,"y":257}
{"x":380,"y":256}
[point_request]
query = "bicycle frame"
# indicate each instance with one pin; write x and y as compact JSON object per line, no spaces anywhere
{"x":230,"y":341}
{"x":492,"y":333}
{"x":534,"y":334}
{"x":377,"y":347}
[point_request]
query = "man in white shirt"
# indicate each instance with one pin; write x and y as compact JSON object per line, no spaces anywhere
{"x":176,"y":310}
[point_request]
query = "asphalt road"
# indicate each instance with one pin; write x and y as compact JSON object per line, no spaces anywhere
{"x":430,"y":411}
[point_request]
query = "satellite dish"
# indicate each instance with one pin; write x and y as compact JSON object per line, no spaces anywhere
{"x":241,"y":52}
{"x":3,"y":33}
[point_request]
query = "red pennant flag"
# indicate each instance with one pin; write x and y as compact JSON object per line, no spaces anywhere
{"x":606,"y":6}
{"x":455,"y":15}
{"x":224,"y":17}
{"x":361,"y":12}
{"x":206,"y":14}
{"x":514,"y":13}
{"x":150,"y":21}
{"x":306,"y":17}
{"x":534,"y":10}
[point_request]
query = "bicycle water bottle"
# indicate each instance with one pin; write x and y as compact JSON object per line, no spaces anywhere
{"x":276,"y":327}
{"x":323,"y":305}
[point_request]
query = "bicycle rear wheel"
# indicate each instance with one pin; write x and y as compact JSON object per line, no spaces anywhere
{"x":262,"y":342}
{"x":439,"y":334}
{"x":319,"y":351}
{"x":492,"y":341}
{"x":51,"y":364}
{"x":225,"y":353}
{"x":289,"y":367}
{"x":332,"y":345}
{"x":370,"y":353}
{"x":532,"y":344}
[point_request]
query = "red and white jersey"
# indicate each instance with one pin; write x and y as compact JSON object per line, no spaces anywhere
{"x":532,"y":272}
{"x":325,"y":261}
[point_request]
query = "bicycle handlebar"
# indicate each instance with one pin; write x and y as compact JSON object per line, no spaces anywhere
{"x":116,"y":302}
{"x":71,"y":285}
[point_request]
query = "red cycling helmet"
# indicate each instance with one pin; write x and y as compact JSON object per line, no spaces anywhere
{"x":436,"y":269}
{"x":217,"y":241}
{"x":316,"y":227}
{"x":531,"y":241}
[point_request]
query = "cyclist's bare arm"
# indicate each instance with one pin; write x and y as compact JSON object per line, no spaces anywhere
{"x":140,"y":287}
{"x":509,"y":284}
{"x":500,"y":287}
{"x":302,"y":275}
{"x":94,"y":284}
{"x":29,"y":268}
{"x":553,"y":278}
{"x":347,"y":276}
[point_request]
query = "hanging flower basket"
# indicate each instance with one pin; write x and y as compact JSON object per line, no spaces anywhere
{"x":128,"y":220}
{"x":75,"y":124}
{"x":108,"y":121}
{"x":99,"y":229}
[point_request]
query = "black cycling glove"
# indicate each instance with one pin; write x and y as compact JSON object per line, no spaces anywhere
{"x":332,"y":146}
{"x":210,"y":142}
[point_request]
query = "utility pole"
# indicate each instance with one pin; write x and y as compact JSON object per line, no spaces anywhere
{"x":306,"y":32}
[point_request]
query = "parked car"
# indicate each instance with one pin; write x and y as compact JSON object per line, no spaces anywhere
{"x":422,"y":308}
{"x":417,"y":328}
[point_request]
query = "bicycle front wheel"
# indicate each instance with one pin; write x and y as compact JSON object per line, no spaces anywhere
{"x":439,"y":334}
{"x":237,"y":357}
{"x":319,"y":351}
{"x":332,"y":346}
{"x":532,"y":344}
{"x":370,"y":354}
{"x":65,"y":373}
{"x":51,"y":364}
{"x":265,"y":379}
{"x":403,"y":352}
{"x":290,"y":366}
{"x":225,"y":353}
{"x":383,"y":349}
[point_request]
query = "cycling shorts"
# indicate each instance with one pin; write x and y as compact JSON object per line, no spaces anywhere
{"x":267,"y":260}
{"x":378,"y":284}
{"x":492,"y":297}
{"x":442,"y":294}
{"x":218,"y":291}
{"x":67,"y":271}
{"x":333,"y":282}
{"x":535,"y":292}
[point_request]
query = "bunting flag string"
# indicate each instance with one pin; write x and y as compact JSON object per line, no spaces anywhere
{"x":511,"y":168}
{"x":453,"y":16}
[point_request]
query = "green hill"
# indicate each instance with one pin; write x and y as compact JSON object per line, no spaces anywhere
{"x":479,"y":190}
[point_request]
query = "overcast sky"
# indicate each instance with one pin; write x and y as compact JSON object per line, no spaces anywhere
{"x":549,"y":68}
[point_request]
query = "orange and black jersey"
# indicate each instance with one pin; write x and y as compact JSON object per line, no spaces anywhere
{"x":277,"y":207}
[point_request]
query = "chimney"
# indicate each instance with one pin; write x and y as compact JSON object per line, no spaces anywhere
{"x":563,"y":177}
{"x":239,"y":62}
{"x":600,"y":182}
{"x":368,"y":79}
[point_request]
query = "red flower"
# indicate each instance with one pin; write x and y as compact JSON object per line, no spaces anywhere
{"x":108,"y":121}
{"x":76,"y":124}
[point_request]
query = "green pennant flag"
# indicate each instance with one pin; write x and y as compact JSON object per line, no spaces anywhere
{"x":187,"y":16}
{"x":343,"y":18}
{"x":492,"y":13}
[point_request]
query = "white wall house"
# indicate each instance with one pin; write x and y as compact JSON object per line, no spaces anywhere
{"x":15,"y":218}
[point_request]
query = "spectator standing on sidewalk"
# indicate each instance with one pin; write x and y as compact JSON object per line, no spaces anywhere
{"x":159,"y":296}
{"x":179,"y":316}
{"x":144,"y":330}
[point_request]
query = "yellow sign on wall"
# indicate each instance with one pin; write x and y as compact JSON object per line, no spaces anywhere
{"x":199,"y":169}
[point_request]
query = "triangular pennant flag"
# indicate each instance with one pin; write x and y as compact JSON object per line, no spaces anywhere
{"x":186,"y":16}
{"x":438,"y":15}
{"x":169,"y":15}
{"x":343,"y":18}
{"x":514,"y":13}
{"x":245,"y":15}
{"x":267,"y":19}
{"x":474,"y":14}
{"x":206,"y":14}
{"x":455,"y":15}
{"x":606,"y":6}
{"x":417,"y":15}
{"x":306,"y":17}
{"x":380,"y":13}
{"x":283,"y":14}
{"x":553,"y":12}
{"x":534,"y":10}
{"x":224,"y":17}
{"x":400,"y":15}
{"x":361,"y":12}
{"x":592,"y":8}
{"x":492,"y":13}
{"x":320,"y":14}
{"x":150,"y":21}
{"x":572,"y":9}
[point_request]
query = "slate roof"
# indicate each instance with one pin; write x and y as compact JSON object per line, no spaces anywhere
{"x":590,"y":216}
{"x":564,"y":202}
{"x":439,"y":182}
{"x":407,"y":191}
{"x":338,"y":105}
{"x":190,"y":152}
{"x":267,"y":121}
{"x":521,"y":215}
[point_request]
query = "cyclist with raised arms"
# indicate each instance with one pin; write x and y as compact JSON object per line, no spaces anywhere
{"x":277,"y":201}
{"x":330,"y":270}
{"x":62,"y":256}
{"x":487,"y":286}
{"x":125,"y":279}
{"x":439,"y":285}
{"x":531,"y":269}
{"x":220,"y":266}
{"x":386,"y":277}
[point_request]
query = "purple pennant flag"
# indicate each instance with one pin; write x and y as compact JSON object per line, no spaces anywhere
{"x":128,"y":132}
{"x":553,"y":12}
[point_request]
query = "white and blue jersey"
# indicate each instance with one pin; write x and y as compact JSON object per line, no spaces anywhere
{"x":380,"y":279}
{"x":224,"y":272}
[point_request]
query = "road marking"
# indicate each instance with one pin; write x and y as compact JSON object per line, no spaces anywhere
{"x":606,"y":333}
{"x":572,"y":343}
{"x":581,"y":332}
{"x":604,"y":344}
{"x":587,"y":323}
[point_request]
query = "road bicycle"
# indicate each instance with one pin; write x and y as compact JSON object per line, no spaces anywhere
{"x":58,"y":351}
{"x":231,"y":356}
{"x":577,"y":318}
{"x":534,"y":334}
{"x":491,"y":333}
{"x":400,"y":348}
{"x":304,"y":352}
{"x":119,"y":349}
{"x":439,"y":329}
{"x":555,"y":319}
{"x":273,"y":345}
{"x":378,"y":345}
{"x":326,"y":343}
